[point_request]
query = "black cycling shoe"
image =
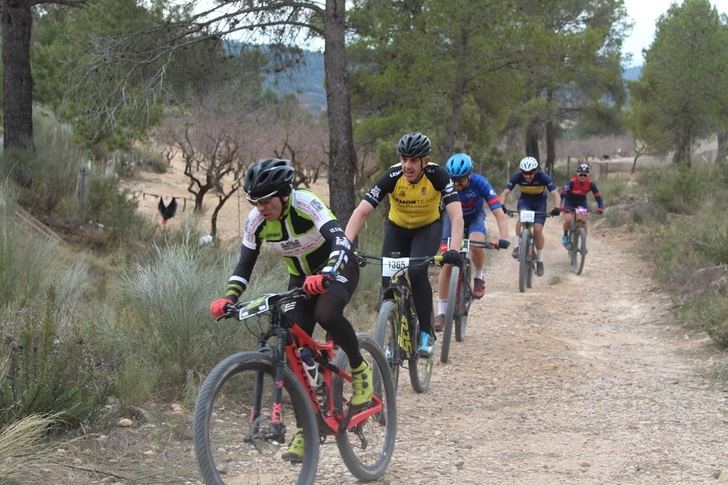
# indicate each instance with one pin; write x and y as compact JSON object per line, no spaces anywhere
{"x":539,"y":268}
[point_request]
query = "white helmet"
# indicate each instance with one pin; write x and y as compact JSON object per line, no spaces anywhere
{"x":528,"y":164}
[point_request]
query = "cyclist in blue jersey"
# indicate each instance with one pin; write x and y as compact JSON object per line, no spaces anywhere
{"x":534,"y":185}
{"x":574,"y":194}
{"x":474,"y":191}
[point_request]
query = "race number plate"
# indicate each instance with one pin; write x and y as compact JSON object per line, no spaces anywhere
{"x":528,"y":216}
{"x":391,"y":265}
{"x":254,"y":307}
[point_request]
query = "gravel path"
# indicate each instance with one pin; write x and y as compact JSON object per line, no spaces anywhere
{"x":578,"y":380}
{"x":581,"y":379}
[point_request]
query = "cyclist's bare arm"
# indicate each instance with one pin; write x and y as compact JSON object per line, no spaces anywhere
{"x":504,"y":196}
{"x":455,"y":213}
{"x":556,"y":197}
{"x":358,"y":218}
{"x":500,"y":220}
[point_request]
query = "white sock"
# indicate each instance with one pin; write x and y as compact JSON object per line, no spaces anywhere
{"x":441,"y":307}
{"x":539,"y":255}
{"x":480,"y":274}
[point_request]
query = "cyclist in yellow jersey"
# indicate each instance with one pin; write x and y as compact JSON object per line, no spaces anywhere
{"x":414,"y":227}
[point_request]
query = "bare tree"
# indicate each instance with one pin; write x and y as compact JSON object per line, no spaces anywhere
{"x":282,"y":22}
{"x":215,"y":147}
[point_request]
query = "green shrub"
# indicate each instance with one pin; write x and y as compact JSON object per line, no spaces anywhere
{"x":613,"y":189}
{"x":709,"y":236}
{"x":45,"y":368}
{"x":709,"y":312}
{"x":679,"y":190}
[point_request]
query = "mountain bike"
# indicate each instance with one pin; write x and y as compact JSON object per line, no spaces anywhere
{"x":398,"y":329}
{"x":252,"y":401}
{"x":577,"y":239}
{"x":526,"y":247}
{"x":459,"y":297}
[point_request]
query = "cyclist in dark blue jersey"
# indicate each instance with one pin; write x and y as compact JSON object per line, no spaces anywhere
{"x":534,"y":185}
{"x":574,"y":194}
{"x":474,"y":191}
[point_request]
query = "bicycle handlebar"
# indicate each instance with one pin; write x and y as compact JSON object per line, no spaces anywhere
{"x":274,"y":299}
{"x":363,"y":259}
{"x":512,"y":213}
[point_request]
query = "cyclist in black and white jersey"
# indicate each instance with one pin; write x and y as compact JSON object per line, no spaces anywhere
{"x":300,"y":227}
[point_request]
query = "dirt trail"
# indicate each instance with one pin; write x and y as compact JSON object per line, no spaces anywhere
{"x":578,"y":380}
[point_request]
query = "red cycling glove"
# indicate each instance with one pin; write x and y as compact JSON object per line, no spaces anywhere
{"x":217,"y":307}
{"x":315,"y":284}
{"x":600,"y":211}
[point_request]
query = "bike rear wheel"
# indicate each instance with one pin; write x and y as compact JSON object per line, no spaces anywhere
{"x":450,"y":313}
{"x":525,"y":266}
{"x":230,"y":438}
{"x":579,"y":250}
{"x":367,"y":447}
{"x":387,"y":336}
{"x":420,"y":368}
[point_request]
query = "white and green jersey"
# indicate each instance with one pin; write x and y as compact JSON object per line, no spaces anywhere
{"x":307,"y":235}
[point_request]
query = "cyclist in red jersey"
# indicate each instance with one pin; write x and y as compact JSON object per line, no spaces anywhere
{"x":573,"y":195}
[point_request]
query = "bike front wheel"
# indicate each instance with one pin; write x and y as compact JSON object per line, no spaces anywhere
{"x":367,"y":447}
{"x":420,"y":368}
{"x":525,"y":265}
{"x":465,"y":296}
{"x":450,"y":313}
{"x":387,"y":336}
{"x":235,"y":430}
{"x":579,"y":250}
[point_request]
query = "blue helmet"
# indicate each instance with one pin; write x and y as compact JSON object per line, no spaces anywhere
{"x":459,"y":165}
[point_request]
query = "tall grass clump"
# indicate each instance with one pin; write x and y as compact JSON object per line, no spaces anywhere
{"x":169,"y":337}
{"x":30,"y":264}
{"x":25,"y":456}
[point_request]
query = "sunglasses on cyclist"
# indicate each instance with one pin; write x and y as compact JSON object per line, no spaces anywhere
{"x":460,"y":180}
{"x":532,"y":172}
{"x":261,"y":200}
{"x":583,"y":175}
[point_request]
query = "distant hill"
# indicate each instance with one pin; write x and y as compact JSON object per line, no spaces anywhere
{"x":632,"y":73}
{"x":306,"y":81}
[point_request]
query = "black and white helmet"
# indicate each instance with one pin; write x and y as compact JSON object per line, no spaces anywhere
{"x":528,"y":164}
{"x":414,"y":145}
{"x":583,"y":168}
{"x":268,"y":176}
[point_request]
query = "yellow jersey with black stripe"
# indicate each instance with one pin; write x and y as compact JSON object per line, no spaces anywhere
{"x":413,"y":205}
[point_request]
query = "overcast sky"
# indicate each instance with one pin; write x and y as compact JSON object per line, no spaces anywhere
{"x":644,"y":14}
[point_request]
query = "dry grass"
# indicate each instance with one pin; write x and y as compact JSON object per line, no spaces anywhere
{"x":24,"y":453}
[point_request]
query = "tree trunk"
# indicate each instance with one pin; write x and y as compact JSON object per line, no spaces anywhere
{"x":342,"y":156}
{"x":550,"y":147}
{"x":458,"y":97}
{"x":683,"y":152}
{"x":532,"y":140}
{"x":721,"y":156}
{"x":17,"y":21}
